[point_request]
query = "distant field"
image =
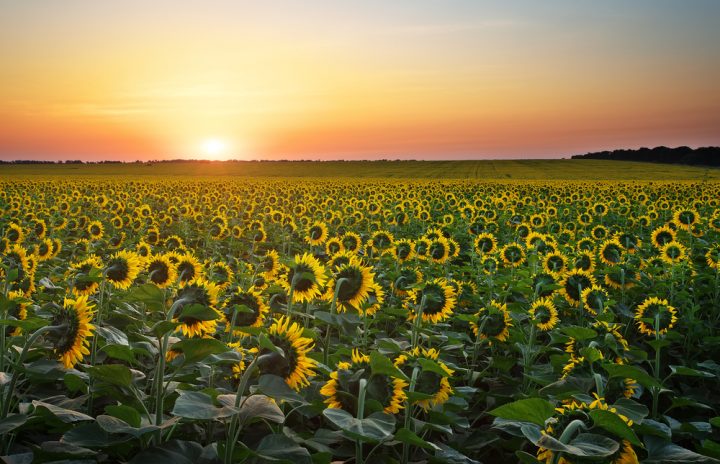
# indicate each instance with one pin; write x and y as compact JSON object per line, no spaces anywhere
{"x":486,"y":169}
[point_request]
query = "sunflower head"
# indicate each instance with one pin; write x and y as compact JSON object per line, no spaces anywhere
{"x":122,"y":268}
{"x":197,"y":292}
{"x":72,"y":340}
{"x":245,"y":309}
{"x":655,"y":316}
{"x":161,"y":271}
{"x":435,"y":301}
{"x":306,"y":278}
{"x":434,"y":387}
{"x":355,"y":281}
{"x":543,"y":314}
{"x":293,"y":364}
{"x":574,"y":283}
{"x":494,"y":322}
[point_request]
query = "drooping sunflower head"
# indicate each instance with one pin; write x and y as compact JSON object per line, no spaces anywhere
{"x":673,"y":252}
{"x":611,"y":252}
{"x":408,"y":277}
{"x":14,"y":233}
{"x":433,"y":385}
{"x":15,"y":258}
{"x":44,"y":250}
{"x":585,"y":261}
{"x":87,"y":275}
{"x":355,"y":281}
{"x":334,"y":246}
{"x":95,"y":230}
{"x":403,"y":250}
{"x":435,"y":301}
{"x":512,"y":255}
{"x":306,"y":278}
{"x":72,"y":341}
{"x":343,"y":387}
{"x":270,"y":264}
{"x":122,"y":268}
{"x":485,"y":243}
{"x":712,"y":256}
{"x":555,"y":263}
{"x":188,"y":268}
{"x":493,"y":323}
{"x":197,"y":292}
{"x":595,"y":299}
{"x":380,"y":241}
{"x":574,"y":282}
{"x":17,"y":309}
{"x":317,"y":233}
{"x":161,"y":271}
{"x":294,"y":366}
{"x":219,"y":273}
{"x":655,"y":316}
{"x":544,"y":314}
{"x":662,"y":235}
{"x":685,"y":218}
{"x":245,"y":309}
{"x":351,"y":241}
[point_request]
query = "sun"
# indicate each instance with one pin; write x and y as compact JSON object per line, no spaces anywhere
{"x":214,"y":148}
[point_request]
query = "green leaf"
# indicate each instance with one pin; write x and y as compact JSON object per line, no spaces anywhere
{"x":376,"y":427}
{"x":715,"y":421}
{"x":686,"y":371}
{"x":125,"y":413}
{"x":28,"y":324}
{"x":10,"y":423}
{"x":631,"y":372}
{"x":526,"y":458}
{"x":279,"y":448}
{"x":65,"y":415}
{"x":163,"y":327}
{"x":276,"y":387}
{"x":613,"y":424}
{"x":381,"y":365}
{"x":199,"y":405}
{"x":115,"y":374}
{"x":197,"y":349}
{"x":254,"y":406}
{"x":172,"y":452}
{"x":579,"y":333}
{"x":428,"y":365}
{"x":631,"y":409}
{"x":409,"y":437}
{"x":665,"y":452}
{"x":535,"y":410}
{"x":198,"y":312}
{"x":151,"y":295}
{"x":112,"y":335}
{"x":591,"y":354}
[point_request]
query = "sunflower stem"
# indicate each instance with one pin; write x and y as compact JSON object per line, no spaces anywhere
{"x":235,"y":428}
{"x":333,"y":305}
{"x":476,"y":349}
{"x":417,"y":323}
{"x":160,"y":373}
{"x":408,"y":413}
{"x":93,"y":344}
{"x":360,"y":416}
{"x":656,"y":370}
{"x":567,"y":435}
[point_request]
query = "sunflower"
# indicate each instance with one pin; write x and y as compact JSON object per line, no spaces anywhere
{"x":269,"y":265}
{"x":611,"y":252}
{"x":403,"y":250}
{"x":354,"y":289}
{"x":306,"y":278}
{"x":380,"y":241}
{"x":333,"y":246}
{"x":17,"y":309}
{"x":489,"y":265}
{"x":422,"y":247}
{"x":251,"y":310}
{"x":573,"y":283}
{"x":544,"y":314}
{"x":317,"y":234}
{"x":439,"y":301}
{"x":44,"y":250}
{"x":432,"y":384}
{"x":673,"y":252}
{"x":95,"y":230}
{"x":655,"y":315}
{"x":219,"y":273}
{"x":512,"y":254}
{"x":294,"y":366}
{"x":343,"y":387}
{"x":662,"y":235}
{"x":161,"y":271}
{"x":122,"y":268}
{"x":172,"y":243}
{"x":351,"y":241}
{"x":585,"y":261}
{"x":485,"y":243}
{"x":197,"y":292}
{"x":439,"y":250}
{"x":375,"y":299}
{"x":555,"y":263}
{"x":14,"y":233}
{"x":494,"y":322}
{"x":71,"y":344}
{"x":712,"y":257}
{"x":188,"y":268}
{"x":686,"y":218}
{"x":86,"y":276}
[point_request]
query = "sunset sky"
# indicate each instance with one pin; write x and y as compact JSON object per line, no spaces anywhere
{"x":331,"y":79}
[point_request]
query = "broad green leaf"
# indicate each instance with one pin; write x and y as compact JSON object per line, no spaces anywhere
{"x":279,"y":448}
{"x":381,"y":365}
{"x":65,"y":415}
{"x":12,"y":422}
{"x":115,"y":374}
{"x":686,"y":371}
{"x":198,"y":312}
{"x":254,"y":406}
{"x":150,"y":294}
{"x":631,"y":409}
{"x":376,"y":427}
{"x":409,"y":437}
{"x":125,"y":413}
{"x":533,"y":410}
{"x":578,"y":333}
{"x":197,"y":349}
{"x":631,"y":372}
{"x":276,"y":387}
{"x":199,"y":405}
{"x":428,"y":365}
{"x":613,"y":424}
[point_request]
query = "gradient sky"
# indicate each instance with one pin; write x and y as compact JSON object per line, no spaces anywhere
{"x":131,"y":79}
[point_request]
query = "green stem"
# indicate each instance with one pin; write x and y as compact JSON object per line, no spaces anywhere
{"x":408,"y":414}
{"x":656,"y":370}
{"x":235,"y":428}
{"x":567,"y":435}
{"x":333,"y":305}
{"x":360,"y":416}
{"x":415,"y":339}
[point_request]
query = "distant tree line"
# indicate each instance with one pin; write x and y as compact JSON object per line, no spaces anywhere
{"x":704,"y":156}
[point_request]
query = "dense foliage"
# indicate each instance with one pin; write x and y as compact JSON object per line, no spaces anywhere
{"x":189,"y":321}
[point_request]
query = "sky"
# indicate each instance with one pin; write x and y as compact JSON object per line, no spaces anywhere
{"x":347,"y":79}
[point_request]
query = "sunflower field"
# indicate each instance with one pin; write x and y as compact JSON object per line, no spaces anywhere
{"x":171,"y":320}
